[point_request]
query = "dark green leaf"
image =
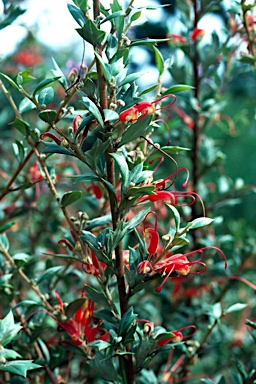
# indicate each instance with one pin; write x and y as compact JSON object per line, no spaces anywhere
{"x":44,"y":84}
{"x":126,"y":321}
{"x":251,"y":323}
{"x":137,"y":192}
{"x":176,"y":216}
{"x":93,"y":109}
{"x":86,"y":120}
{"x":55,"y":148}
{"x":89,"y":32}
{"x":49,"y":273}
{"x":21,"y":125}
{"x":148,"y":42}
{"x":70,"y":197}
{"x":4,"y":242}
{"x":104,"y":367}
{"x":96,"y":296}
{"x":122,"y":166}
{"x":45,"y":96}
{"x":130,"y":277}
{"x":97,"y":222}
{"x":77,"y":15}
{"x":107,"y":70}
{"x":112,"y":16}
{"x":19,"y":367}
{"x":82,"y":4}
{"x":48,"y":115}
{"x":84,"y":177}
{"x":164,"y":335}
{"x":110,"y":115}
{"x":12,"y":13}
{"x":134,"y":131}
{"x":4,"y":227}
{"x":174,"y":150}
{"x":112,"y":46}
{"x":19,"y":150}
{"x":74,"y":306}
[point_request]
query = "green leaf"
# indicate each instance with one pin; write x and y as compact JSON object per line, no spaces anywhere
{"x":251,"y":323}
{"x":122,"y":166}
{"x":147,"y":90}
{"x":126,"y":321}
{"x":130,"y":78}
{"x":19,"y":367}
{"x":4,"y":242}
{"x":98,"y":222}
{"x":77,"y":15}
{"x":21,"y":259}
{"x":215,"y":311}
{"x":176,"y":216}
{"x":82,"y":4}
{"x":112,"y":46}
{"x":164,"y":335}
{"x":84,"y":177}
{"x":93,"y":109}
{"x":135,"y":16}
{"x":110,"y":115}
{"x":8,"y":329}
{"x":9,"y":80}
{"x":200,"y":222}
{"x":134,"y":131}
{"x":44,"y":84}
{"x":104,"y":368}
{"x":49,"y":273}
{"x":86,"y":120}
{"x":148,"y":42}
{"x":55,"y":148}
{"x":236,"y":307}
{"x":96,"y":296}
{"x":24,"y":76}
{"x":4,"y":227}
{"x":178,"y":88}
{"x":70,"y":197}
{"x":9,"y":353}
{"x":19,"y":150}
{"x":159,"y":60}
{"x":105,"y":67}
{"x":21,"y":125}
{"x":174,"y":150}
{"x":112,"y":16}
{"x":74,"y":306}
{"x":90,"y":33}
{"x":45,"y":96}
{"x":48,"y":115}
{"x":57,"y":72}
{"x":137,"y":192}
{"x":26,"y":105}
{"x":100,"y":344}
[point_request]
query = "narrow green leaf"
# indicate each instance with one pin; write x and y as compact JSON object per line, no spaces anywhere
{"x":70,"y":197}
{"x":19,"y":150}
{"x":134,"y":131}
{"x":55,"y":148}
{"x":19,"y":367}
{"x":93,"y":109}
{"x":178,"y":88}
{"x":105,"y":67}
{"x":4,"y":227}
{"x":9,"y":80}
{"x":21,"y":125}
{"x":200,"y":222}
{"x":131,"y":77}
{"x":236,"y":307}
{"x":110,"y":115}
{"x":104,"y":368}
{"x":84,"y":177}
{"x":49,"y":273}
{"x":148,"y":42}
{"x":122,"y":166}
{"x":147,"y":90}
{"x":96,"y":296}
{"x":45,"y":96}
{"x":4,"y":242}
{"x":48,"y":115}
{"x":159,"y":60}
{"x":174,"y":150}
{"x":112,"y":16}
{"x":176,"y":216}
{"x":100,"y":344}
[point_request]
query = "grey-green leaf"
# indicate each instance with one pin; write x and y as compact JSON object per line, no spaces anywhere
{"x":70,"y":197}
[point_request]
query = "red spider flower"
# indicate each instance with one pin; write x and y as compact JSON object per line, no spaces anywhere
{"x":177,"y":336}
{"x":27,"y":58}
{"x":83,"y":327}
{"x":178,"y":264}
{"x":196,"y":34}
{"x":151,"y":235}
{"x":142,"y":109}
{"x":94,"y":266}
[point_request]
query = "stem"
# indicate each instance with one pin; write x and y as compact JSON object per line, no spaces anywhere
{"x":125,"y":361}
{"x":196,"y":82}
{"x":11,"y":101}
{"x":247,"y":30}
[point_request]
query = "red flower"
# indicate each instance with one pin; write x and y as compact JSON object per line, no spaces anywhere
{"x":142,"y":109}
{"x":176,"y":38}
{"x":27,"y":58}
{"x":151,"y":235}
{"x":177,"y":336}
{"x":196,"y":34}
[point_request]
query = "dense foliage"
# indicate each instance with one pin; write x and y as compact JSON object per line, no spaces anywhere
{"x":127,"y":246}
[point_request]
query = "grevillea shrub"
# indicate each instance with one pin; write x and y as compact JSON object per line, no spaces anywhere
{"x":111,"y":271}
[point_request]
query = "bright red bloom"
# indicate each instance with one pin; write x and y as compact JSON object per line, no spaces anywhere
{"x":94,"y":266}
{"x":27,"y":58}
{"x":177,"y":336}
{"x":142,"y":109}
{"x":176,"y":38}
{"x":151,"y":235}
{"x":196,"y":34}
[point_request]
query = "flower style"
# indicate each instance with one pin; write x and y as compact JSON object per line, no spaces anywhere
{"x":142,"y":109}
{"x":151,"y":235}
{"x":178,"y":264}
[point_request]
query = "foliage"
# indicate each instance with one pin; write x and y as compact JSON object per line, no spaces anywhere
{"x":104,"y":234}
